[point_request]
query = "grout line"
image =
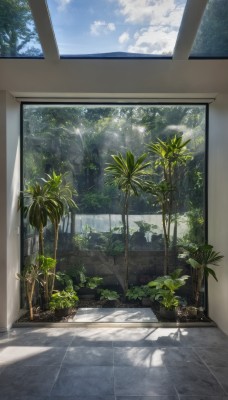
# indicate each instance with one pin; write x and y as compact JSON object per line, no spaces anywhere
{"x":211,"y":372}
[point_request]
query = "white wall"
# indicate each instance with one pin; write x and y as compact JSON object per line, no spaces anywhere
{"x":218,"y":207}
{"x":9,"y":217}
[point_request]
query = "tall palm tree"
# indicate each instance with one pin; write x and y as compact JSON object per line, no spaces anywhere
{"x":39,"y":206}
{"x":61,"y":191}
{"x":170,"y":155}
{"x":127,"y":174}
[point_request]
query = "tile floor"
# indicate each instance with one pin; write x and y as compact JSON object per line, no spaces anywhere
{"x":114,"y":364}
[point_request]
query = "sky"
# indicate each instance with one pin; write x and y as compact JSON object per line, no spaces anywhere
{"x":102,"y":26}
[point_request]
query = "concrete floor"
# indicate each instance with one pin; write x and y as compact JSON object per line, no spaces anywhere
{"x":114,"y":315}
{"x":114,"y":364}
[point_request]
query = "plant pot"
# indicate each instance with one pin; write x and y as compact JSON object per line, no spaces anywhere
{"x":192,"y":311}
{"x":63,"y":312}
{"x":168,"y":314}
{"x":86,"y":294}
{"x":146,"y":302}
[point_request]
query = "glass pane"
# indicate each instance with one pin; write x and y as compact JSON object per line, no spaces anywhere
{"x":120,"y":28}
{"x":79,"y":141}
{"x":212,"y":37}
{"x":18,"y":36}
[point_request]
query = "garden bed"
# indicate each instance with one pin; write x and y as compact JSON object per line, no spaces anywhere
{"x":50,"y":316}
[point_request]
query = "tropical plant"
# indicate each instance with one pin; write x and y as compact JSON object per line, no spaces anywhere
{"x":127,"y":174}
{"x":29,"y":277}
{"x":62,"y":193}
{"x":106,"y":294}
{"x":166,"y":287}
{"x":47,"y":269}
{"x":170,"y":155}
{"x":200,"y":257}
{"x":140,"y":292}
{"x":60,"y":190}
{"x":39,"y":206}
{"x":63,"y":299}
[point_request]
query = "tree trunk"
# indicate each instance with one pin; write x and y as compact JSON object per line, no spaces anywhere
{"x":126,"y":253}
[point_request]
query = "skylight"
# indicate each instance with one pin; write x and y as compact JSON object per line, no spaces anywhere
{"x":18,"y":36}
{"x":116,"y":28}
{"x":212,"y":37}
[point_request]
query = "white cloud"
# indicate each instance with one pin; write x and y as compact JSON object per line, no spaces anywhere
{"x":62,"y":4}
{"x":153,"y":12}
{"x":124,"y":38}
{"x":152,"y":41}
{"x":159,"y":21}
{"x":101,"y":27}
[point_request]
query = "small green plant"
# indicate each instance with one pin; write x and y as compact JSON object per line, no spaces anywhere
{"x":63,"y":299}
{"x":64,"y":279}
{"x":93,"y":282}
{"x":140,"y":292}
{"x":166,"y":287}
{"x":107,"y":294}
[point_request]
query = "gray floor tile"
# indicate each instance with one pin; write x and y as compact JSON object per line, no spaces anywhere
{"x":27,"y":381}
{"x":84,"y":381}
{"x":217,"y":357}
{"x":147,"y":397}
{"x":32,"y":355}
{"x":90,"y":356}
{"x":155,"y":357}
{"x":204,"y":397}
{"x":196,"y":337}
{"x":134,"y":381}
{"x":221,"y":374}
{"x":58,"y":397}
{"x":194,"y":380}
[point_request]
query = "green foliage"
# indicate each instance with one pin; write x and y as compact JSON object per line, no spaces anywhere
{"x":81,"y":241}
{"x":16,"y":29}
{"x":106,"y":294}
{"x":65,"y":280}
{"x":200,"y":257}
{"x":169,"y":156}
{"x":63,"y":299}
{"x":30,"y":276}
{"x":46,"y":264}
{"x":127,"y":174}
{"x":166,"y":287}
{"x":140,"y":292}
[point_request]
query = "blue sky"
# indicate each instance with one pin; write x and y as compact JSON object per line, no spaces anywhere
{"x":102,"y":26}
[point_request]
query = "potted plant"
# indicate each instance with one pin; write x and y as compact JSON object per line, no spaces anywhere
{"x":165,"y":292}
{"x":63,"y":301}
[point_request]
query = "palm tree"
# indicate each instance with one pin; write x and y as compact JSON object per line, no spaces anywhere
{"x":127,"y":174}
{"x":200,"y":258}
{"x":169,"y":154}
{"x":38,"y":206}
{"x":61,"y":191}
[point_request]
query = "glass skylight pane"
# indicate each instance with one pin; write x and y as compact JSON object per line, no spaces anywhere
{"x":116,"y":28}
{"x":212,"y":37}
{"x":18,"y":36}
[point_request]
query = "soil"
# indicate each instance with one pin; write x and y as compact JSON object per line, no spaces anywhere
{"x":49,"y":315}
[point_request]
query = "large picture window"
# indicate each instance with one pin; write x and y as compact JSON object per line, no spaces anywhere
{"x":79,"y":141}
